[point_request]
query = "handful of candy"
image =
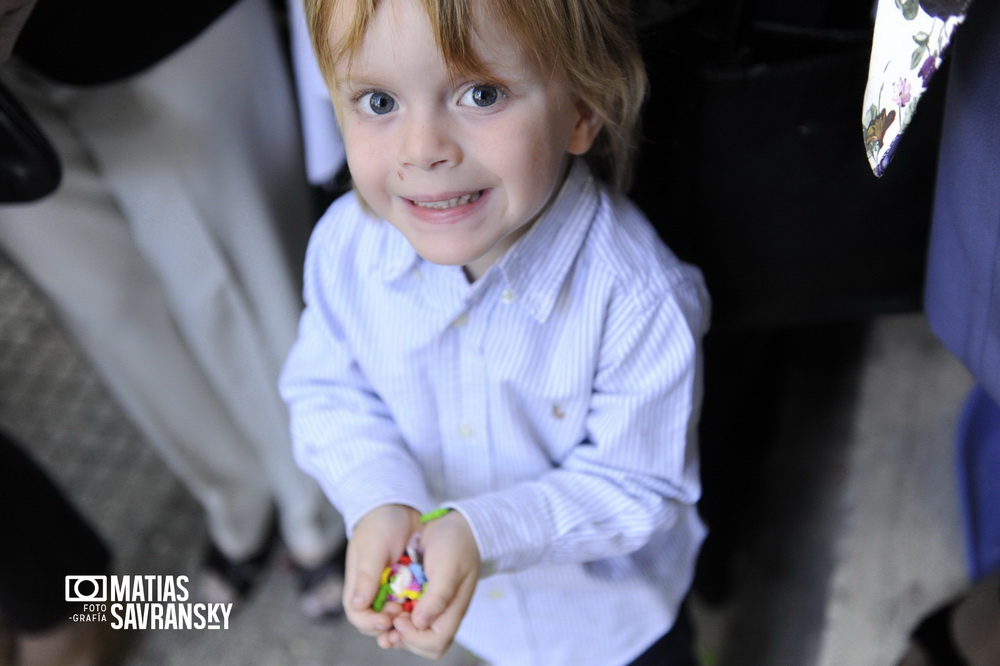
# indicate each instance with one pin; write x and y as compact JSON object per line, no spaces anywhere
{"x":405,"y":580}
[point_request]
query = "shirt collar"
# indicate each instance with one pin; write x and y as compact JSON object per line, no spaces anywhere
{"x":537,"y":266}
{"x":398,"y":256}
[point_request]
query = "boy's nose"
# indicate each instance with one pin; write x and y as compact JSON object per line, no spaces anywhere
{"x":427,"y":143}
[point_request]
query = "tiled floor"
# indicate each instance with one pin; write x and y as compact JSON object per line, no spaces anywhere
{"x":852,"y":536}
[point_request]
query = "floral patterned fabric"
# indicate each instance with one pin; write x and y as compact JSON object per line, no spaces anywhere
{"x":909,"y":42}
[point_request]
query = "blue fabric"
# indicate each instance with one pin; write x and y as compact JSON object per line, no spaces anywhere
{"x":978,"y":463}
{"x":962,"y":299}
{"x":963,"y":280}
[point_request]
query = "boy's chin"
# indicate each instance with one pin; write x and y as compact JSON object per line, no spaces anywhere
{"x":444,"y":258}
{"x":474,"y":265}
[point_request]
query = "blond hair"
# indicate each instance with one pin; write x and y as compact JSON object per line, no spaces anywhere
{"x":591,"y":42}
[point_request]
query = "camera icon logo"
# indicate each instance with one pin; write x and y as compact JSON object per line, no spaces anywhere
{"x":86,"y":589}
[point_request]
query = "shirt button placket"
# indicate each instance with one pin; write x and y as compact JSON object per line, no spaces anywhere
{"x":470,"y":465}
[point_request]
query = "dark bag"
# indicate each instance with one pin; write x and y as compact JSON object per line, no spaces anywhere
{"x":29,"y":166}
{"x":754,"y":167}
{"x":93,"y":43}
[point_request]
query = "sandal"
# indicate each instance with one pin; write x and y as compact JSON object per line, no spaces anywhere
{"x":227,"y":581}
{"x":321,"y":588}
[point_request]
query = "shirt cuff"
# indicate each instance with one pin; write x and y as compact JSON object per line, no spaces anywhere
{"x":508,"y":538}
{"x":369,"y":487}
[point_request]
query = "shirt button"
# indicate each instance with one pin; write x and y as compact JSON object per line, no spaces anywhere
{"x":497,"y":594}
{"x":461,"y":320}
{"x":465,"y":431}
{"x":507,"y":296}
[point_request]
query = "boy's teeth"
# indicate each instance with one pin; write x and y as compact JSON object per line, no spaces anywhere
{"x":449,"y":203}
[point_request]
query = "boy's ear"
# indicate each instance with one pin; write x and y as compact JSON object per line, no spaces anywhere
{"x":587,"y":127}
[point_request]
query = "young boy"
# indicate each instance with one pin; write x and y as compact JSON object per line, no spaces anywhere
{"x":492,"y":330}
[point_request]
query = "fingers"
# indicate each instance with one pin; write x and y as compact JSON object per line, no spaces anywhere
{"x":451,"y":560}
{"x":378,"y":540}
{"x":428,"y":643}
{"x":388,"y":640}
{"x":444,"y":599}
{"x":430,"y":607}
{"x":433,"y":641}
{"x":361,"y":586}
{"x":362,"y":578}
{"x":431,"y":629}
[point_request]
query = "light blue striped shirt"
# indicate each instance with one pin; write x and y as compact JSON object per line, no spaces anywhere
{"x":553,"y":403}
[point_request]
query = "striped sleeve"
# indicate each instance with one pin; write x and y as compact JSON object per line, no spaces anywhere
{"x":636,"y":472}
{"x":343,"y":433}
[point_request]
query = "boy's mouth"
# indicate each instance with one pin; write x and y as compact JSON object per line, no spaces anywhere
{"x":444,"y":204}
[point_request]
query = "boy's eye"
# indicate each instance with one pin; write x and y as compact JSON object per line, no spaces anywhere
{"x":378,"y":103}
{"x":481,"y":96}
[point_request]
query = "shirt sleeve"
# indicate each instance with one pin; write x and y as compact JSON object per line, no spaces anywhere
{"x":636,"y":472}
{"x":342,"y":432}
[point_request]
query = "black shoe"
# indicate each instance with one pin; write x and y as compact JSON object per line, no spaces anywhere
{"x":224,"y":580}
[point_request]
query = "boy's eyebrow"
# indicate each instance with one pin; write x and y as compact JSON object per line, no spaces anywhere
{"x":489,"y":76}
{"x":497,"y":71}
{"x":354,"y":78}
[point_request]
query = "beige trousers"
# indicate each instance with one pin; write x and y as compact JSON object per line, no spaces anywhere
{"x":172,"y":253}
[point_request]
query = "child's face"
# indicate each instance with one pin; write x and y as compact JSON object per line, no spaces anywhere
{"x":463,"y":166}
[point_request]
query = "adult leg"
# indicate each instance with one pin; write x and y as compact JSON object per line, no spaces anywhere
{"x":76,"y":246}
{"x":204,"y":155}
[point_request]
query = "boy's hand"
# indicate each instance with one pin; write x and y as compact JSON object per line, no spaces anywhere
{"x":378,"y":540}
{"x":451,"y":560}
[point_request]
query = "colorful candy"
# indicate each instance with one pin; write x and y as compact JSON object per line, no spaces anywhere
{"x":405,"y":580}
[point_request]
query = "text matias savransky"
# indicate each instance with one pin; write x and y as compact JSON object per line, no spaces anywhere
{"x":143,"y":602}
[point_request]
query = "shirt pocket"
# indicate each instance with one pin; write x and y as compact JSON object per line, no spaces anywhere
{"x":541,"y":399}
